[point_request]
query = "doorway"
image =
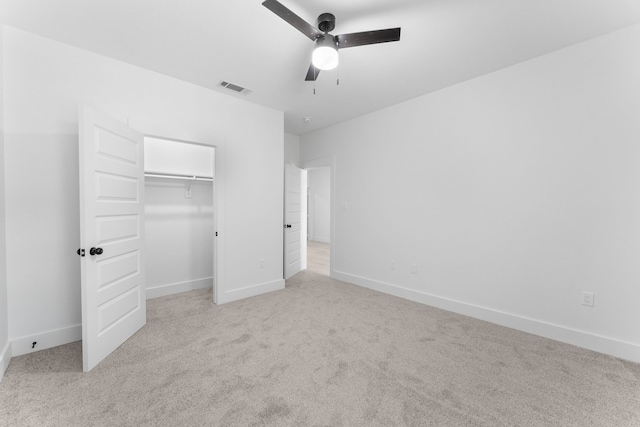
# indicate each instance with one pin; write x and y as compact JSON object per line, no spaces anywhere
{"x":309,"y":203}
{"x":179,"y":218}
{"x":319,"y":220}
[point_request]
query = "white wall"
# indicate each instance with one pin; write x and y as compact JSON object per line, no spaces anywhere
{"x":44,"y":82}
{"x":292,"y":149}
{"x":178,"y":231}
{"x":319,"y":185}
{"x":5,"y":349}
{"x":512,"y":193}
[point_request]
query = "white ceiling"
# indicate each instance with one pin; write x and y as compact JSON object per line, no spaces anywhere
{"x":443,"y":42}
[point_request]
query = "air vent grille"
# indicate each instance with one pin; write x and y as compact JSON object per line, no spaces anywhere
{"x":234,"y":87}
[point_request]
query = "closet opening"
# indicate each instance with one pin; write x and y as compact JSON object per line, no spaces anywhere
{"x":179,"y":216}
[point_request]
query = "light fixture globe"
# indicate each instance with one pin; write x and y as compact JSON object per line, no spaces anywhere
{"x":325,"y":55}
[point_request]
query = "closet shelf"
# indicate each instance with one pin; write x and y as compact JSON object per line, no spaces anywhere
{"x":178,"y":176}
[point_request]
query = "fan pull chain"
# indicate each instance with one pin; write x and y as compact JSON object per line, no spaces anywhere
{"x":338,"y":77}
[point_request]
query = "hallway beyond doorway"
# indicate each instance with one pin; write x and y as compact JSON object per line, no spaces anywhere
{"x":318,"y":256}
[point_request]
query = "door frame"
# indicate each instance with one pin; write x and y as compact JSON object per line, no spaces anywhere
{"x":318,"y":163}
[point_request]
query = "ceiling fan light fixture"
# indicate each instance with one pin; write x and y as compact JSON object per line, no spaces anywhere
{"x":325,"y":55}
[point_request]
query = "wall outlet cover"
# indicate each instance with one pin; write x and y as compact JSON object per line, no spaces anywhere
{"x":587,"y":299}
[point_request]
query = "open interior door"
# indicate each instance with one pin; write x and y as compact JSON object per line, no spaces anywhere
{"x":293,"y":220}
{"x":111,"y":234}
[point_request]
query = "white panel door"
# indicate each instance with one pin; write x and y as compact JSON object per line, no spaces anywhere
{"x":293,"y":221}
{"x":111,"y":234}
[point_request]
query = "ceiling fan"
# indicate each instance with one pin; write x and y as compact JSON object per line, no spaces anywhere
{"x":325,"y":54}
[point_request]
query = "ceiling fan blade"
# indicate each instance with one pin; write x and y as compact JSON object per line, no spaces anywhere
{"x":312,"y":74}
{"x":368,"y":37}
{"x":303,"y":26}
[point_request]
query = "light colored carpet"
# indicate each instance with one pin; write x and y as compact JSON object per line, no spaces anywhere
{"x":321,"y":353}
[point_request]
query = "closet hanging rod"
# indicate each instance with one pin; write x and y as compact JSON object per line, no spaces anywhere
{"x":177,"y":176}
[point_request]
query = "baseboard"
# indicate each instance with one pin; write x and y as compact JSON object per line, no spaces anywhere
{"x":44,"y":340}
{"x":320,"y":239}
{"x":5,"y":358}
{"x":174,"y":288}
{"x":601,"y":344}
{"x":250,"y":291}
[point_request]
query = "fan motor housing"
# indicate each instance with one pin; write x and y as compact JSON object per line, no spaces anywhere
{"x":326,"y":22}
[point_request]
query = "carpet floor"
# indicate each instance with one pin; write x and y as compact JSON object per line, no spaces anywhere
{"x":321,"y":353}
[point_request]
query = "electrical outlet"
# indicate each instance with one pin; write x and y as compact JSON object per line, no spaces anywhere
{"x":414,"y":268}
{"x":587,"y":299}
{"x":392,"y":264}
{"x":261,"y":263}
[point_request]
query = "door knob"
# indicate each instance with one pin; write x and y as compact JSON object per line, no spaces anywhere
{"x":95,"y":251}
{"x":80,"y":252}
{"x":287,"y":226}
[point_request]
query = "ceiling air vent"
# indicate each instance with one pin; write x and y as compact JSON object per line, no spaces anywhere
{"x":235,"y":88}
